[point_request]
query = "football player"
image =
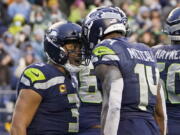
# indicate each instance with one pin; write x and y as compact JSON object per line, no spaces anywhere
{"x":91,"y":102}
{"x":168,"y":57}
{"x":132,"y":97}
{"x":47,"y":102}
{"x":85,"y":81}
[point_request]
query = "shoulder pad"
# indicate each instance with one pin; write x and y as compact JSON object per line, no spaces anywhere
{"x":34,"y":74}
{"x":103,"y":50}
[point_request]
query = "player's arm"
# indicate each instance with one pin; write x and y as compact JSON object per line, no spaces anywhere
{"x":26,"y":105}
{"x":112,"y":87}
{"x":160,"y":111}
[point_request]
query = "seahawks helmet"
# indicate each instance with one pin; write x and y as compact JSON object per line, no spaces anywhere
{"x":101,"y":22}
{"x":173,"y":24}
{"x":56,"y":37}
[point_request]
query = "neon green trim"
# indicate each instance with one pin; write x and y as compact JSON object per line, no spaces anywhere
{"x":34,"y":74}
{"x":102,"y":50}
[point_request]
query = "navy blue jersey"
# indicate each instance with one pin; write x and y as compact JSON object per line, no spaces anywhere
{"x":168,"y":57}
{"x":90,"y":97}
{"x":140,"y":74}
{"x":58,"y":112}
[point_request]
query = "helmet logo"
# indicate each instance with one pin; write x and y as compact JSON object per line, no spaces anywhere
{"x":96,"y":15}
{"x":53,"y":35}
{"x":113,"y":21}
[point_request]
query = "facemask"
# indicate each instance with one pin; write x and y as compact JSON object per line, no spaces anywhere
{"x":72,"y":68}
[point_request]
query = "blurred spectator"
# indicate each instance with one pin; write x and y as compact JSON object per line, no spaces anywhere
{"x":10,"y":47}
{"x":2,"y":29}
{"x":17,"y":24}
{"x":131,"y":10}
{"x":173,"y":3}
{"x":167,"y":8}
{"x":117,"y":2}
{"x":107,"y":3}
{"x":153,"y":4}
{"x":8,"y":2}
{"x":125,"y":7}
{"x":27,"y":47}
{"x":4,"y":21}
{"x":65,"y":6}
{"x":5,"y":62}
{"x":147,"y":37}
{"x":162,"y":39}
{"x":88,"y":3}
{"x":27,"y":59}
{"x":143,"y":18}
{"x":156,"y":24}
{"x":178,"y":3}
{"x":163,"y":3}
{"x":156,"y":21}
{"x":37,"y":44}
{"x":7,"y":100}
{"x":23,"y":36}
{"x":77,"y":11}
{"x":53,"y":13}
{"x":38,"y":19}
{"x":4,"y":18}
{"x":13,"y":53}
{"x":19,"y":7}
{"x":38,"y":2}
{"x":98,"y":3}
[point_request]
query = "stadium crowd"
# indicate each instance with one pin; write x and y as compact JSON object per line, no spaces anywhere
{"x":24,"y":22}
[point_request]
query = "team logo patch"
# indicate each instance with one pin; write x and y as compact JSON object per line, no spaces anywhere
{"x":53,"y":35}
{"x":62,"y":89}
{"x":113,"y":21}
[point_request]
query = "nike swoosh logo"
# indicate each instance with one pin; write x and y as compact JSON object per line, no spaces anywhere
{"x":37,"y":75}
{"x":101,"y":51}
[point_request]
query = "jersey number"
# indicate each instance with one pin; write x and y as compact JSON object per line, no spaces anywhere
{"x":171,"y":85}
{"x":88,"y":91}
{"x":74,"y":126}
{"x":146,"y":83}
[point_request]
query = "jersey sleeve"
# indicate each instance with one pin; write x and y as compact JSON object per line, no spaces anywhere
{"x":34,"y":79}
{"x":105,"y":55}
